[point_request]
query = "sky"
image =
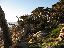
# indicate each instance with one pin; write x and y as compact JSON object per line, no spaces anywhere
{"x":13,"y":8}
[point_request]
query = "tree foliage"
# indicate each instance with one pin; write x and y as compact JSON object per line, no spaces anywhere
{"x":4,"y":27}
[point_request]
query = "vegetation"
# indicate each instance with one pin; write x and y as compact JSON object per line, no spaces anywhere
{"x":41,"y":29}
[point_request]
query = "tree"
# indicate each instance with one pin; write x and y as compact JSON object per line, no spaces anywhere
{"x":4,"y":26}
{"x":61,"y":0}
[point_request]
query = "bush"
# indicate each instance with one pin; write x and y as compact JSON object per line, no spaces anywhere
{"x":59,"y":45}
{"x":55,"y":32}
{"x":35,"y":46}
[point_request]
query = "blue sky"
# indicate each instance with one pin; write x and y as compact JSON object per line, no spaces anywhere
{"x":13,"y":8}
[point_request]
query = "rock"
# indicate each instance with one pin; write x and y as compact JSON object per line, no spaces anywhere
{"x":22,"y":45}
{"x":61,"y":35}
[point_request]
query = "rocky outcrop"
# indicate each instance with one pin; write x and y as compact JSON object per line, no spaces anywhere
{"x":61,"y":35}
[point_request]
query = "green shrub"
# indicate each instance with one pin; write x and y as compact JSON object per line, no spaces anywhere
{"x":35,"y":46}
{"x":59,"y":45}
{"x":55,"y":32}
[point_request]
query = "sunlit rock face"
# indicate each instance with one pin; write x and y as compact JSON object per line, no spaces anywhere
{"x":36,"y":37}
{"x":61,"y":35}
{"x":15,"y":35}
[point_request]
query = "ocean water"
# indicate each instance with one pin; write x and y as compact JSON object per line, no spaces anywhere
{"x":11,"y":23}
